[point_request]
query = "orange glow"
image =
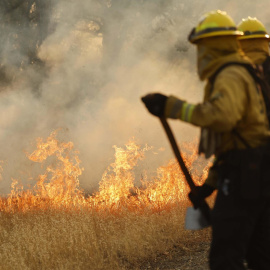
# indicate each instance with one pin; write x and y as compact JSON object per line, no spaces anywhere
{"x":59,"y":188}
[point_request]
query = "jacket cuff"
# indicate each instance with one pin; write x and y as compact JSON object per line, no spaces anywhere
{"x":178,"y":109}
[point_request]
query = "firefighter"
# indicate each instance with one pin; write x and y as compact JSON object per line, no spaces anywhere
{"x":235,"y":129}
{"x":255,"y":41}
{"x":255,"y":44}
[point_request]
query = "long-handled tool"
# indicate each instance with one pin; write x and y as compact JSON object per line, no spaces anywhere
{"x":195,"y":218}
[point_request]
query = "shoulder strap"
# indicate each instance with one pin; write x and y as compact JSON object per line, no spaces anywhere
{"x":250,"y":68}
{"x":266,"y":69}
{"x":214,"y":76}
{"x":265,"y":89}
{"x":261,"y":79}
{"x":256,"y":75}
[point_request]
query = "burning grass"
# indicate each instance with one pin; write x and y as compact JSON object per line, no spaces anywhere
{"x":54,"y":226}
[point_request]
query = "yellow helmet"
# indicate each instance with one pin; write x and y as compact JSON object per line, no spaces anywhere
{"x":252,"y":28}
{"x":214,"y":23}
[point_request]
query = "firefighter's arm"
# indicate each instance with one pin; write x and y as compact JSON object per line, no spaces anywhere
{"x":220,"y":112}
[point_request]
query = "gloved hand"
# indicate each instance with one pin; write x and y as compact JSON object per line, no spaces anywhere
{"x":201,"y":193}
{"x":155,"y":103}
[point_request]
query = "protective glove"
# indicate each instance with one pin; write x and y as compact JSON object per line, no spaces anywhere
{"x":155,"y":103}
{"x":202,"y":192}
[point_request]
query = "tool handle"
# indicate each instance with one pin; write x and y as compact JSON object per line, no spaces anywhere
{"x":178,"y":154}
{"x":204,"y":207}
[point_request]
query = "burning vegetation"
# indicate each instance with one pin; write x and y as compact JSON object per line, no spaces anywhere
{"x":54,"y":225}
{"x":59,"y":186}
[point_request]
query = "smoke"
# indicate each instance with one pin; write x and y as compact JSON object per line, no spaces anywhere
{"x":83,"y":65}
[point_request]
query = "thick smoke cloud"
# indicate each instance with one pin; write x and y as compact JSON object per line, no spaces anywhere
{"x":93,"y":61}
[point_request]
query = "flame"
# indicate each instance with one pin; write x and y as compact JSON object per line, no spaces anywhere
{"x":58,"y":187}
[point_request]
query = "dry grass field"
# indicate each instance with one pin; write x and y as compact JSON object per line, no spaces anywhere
{"x":90,"y":240}
{"x":54,"y":226}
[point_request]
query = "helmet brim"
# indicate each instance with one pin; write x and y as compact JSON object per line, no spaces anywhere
{"x":264,"y":36}
{"x":196,"y":38}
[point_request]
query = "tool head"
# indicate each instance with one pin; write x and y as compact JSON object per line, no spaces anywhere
{"x":195,"y":220}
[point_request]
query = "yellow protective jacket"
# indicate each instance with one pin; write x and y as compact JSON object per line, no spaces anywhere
{"x":234,"y":102}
